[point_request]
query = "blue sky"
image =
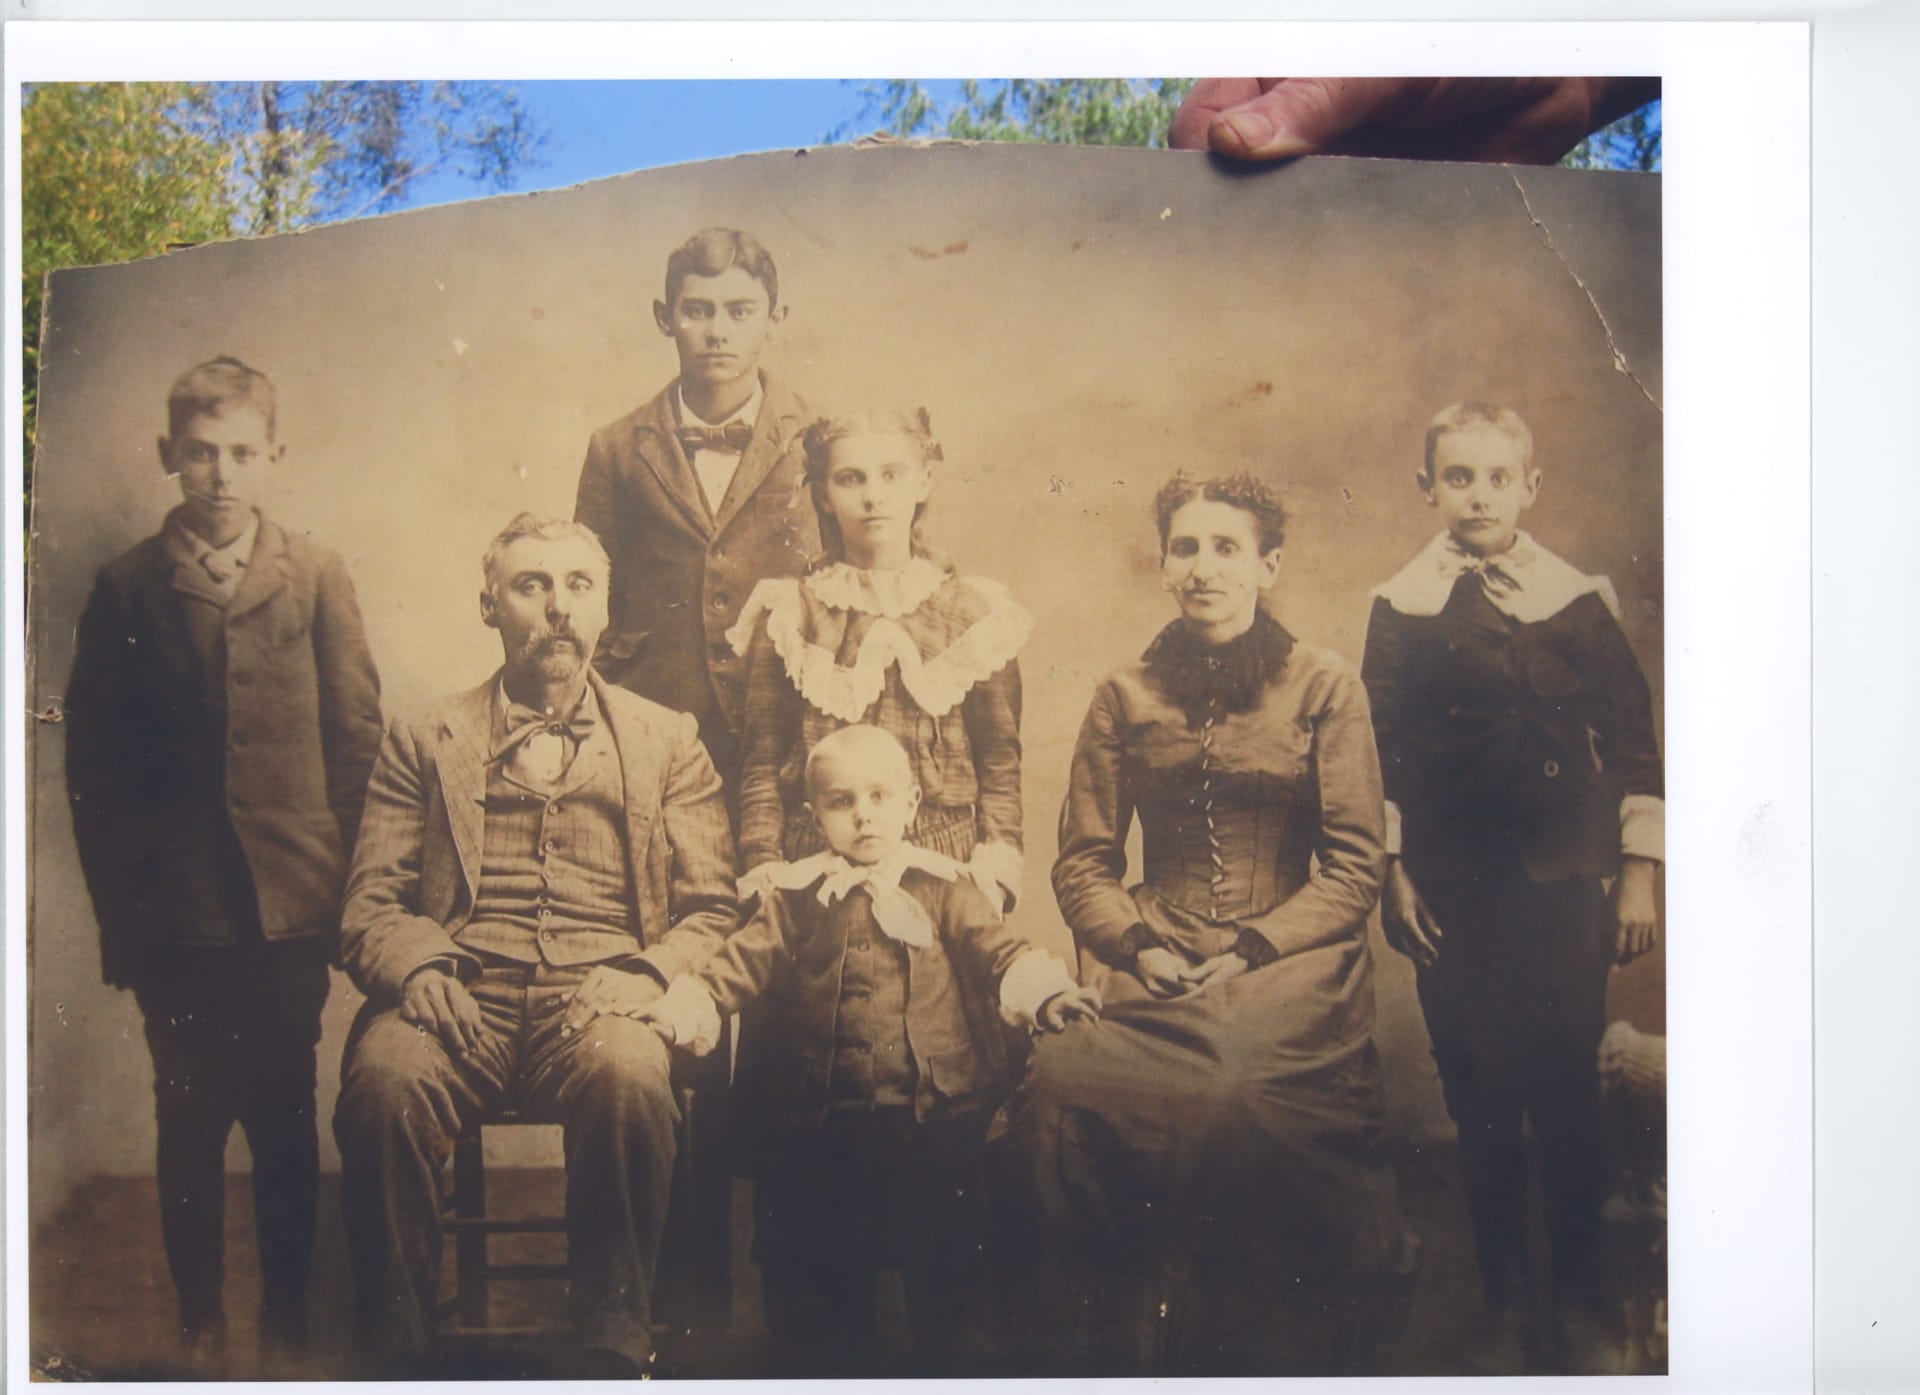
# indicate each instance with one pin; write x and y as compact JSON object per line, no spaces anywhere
{"x":595,"y":129}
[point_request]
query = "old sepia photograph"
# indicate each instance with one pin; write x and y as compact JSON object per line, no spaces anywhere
{"x":901,"y":758}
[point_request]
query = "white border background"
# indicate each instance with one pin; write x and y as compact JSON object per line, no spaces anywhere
{"x":1738,"y":707}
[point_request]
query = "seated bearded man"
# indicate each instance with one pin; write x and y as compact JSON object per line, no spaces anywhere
{"x":540,"y":857}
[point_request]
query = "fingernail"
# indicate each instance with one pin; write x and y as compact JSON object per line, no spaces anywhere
{"x":1242,"y":133}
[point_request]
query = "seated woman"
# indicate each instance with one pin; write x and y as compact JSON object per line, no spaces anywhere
{"x":1218,"y":1130}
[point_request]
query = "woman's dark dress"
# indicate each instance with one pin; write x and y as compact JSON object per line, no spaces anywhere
{"x":1240,"y":1125}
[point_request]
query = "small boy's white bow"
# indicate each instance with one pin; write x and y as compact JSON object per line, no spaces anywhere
{"x":898,"y":914}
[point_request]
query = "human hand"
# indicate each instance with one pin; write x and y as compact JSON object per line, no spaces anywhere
{"x":1160,"y":969}
{"x":1636,"y":916}
{"x":1209,"y":972}
{"x":612,"y":992}
{"x":1512,"y":120}
{"x":435,"y":1001}
{"x":1409,"y":925}
{"x":1079,"y":1004}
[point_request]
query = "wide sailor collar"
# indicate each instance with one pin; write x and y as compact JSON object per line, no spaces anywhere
{"x":1526,"y":582}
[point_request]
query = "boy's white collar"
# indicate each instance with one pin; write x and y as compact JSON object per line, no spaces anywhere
{"x":1526,"y":582}
{"x":899,"y":915}
{"x":749,"y":411}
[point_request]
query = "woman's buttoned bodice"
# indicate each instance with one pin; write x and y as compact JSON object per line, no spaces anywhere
{"x":1259,"y":803}
{"x":1227,"y":809}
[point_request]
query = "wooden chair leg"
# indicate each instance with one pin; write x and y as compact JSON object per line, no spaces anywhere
{"x":470,"y":1244}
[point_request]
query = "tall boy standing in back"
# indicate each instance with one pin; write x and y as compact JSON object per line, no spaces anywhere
{"x":223,"y":715}
{"x":699,"y":494}
{"x":1517,"y":748}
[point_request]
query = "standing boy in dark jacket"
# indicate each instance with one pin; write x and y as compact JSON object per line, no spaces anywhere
{"x":1518,"y":756}
{"x":699,"y":494}
{"x":222,"y":717}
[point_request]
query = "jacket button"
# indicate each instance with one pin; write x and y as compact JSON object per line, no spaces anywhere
{"x":1551,"y":770}
{"x":719,"y":600}
{"x":720,"y":554}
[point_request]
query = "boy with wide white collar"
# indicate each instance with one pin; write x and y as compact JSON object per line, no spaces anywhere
{"x":1521,"y":771}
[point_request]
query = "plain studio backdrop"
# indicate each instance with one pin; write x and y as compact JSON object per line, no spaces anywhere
{"x":1081,"y":323}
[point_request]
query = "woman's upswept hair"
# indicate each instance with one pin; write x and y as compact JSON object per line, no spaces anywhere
{"x":1239,"y":490}
{"x":817,"y":442}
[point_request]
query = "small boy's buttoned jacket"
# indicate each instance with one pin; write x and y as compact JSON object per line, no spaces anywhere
{"x":794,"y":957}
{"x":217,"y":757}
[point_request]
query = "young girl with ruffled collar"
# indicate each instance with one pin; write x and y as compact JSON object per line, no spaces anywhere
{"x":884,"y":631}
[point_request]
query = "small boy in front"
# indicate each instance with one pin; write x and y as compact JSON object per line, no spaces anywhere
{"x":856,"y":953}
{"x":222,"y":718}
{"x":1521,"y":772}
{"x":698,"y":495}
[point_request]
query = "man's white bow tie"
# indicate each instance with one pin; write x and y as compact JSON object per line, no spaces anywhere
{"x":898,"y":914}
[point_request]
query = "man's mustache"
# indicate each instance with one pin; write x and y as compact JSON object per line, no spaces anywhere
{"x":546,"y":641}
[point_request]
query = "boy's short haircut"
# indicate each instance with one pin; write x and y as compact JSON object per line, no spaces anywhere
{"x":547,"y":529}
{"x":218,"y":386}
{"x":712,"y":251}
{"x":1462,"y":415}
{"x":858,"y":739}
{"x":1242,"y":491}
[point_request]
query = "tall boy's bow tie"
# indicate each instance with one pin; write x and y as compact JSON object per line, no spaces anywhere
{"x":736,"y":435}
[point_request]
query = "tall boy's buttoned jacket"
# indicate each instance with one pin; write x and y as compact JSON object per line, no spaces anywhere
{"x":176,"y":746}
{"x":1502,"y":741}
{"x":682,"y":571}
{"x":418,"y":861}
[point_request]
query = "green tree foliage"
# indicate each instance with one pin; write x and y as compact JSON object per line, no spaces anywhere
{"x":111,"y":172}
{"x":118,"y":171}
{"x":1065,"y":111}
{"x":316,"y":152}
{"x":1631,"y":143}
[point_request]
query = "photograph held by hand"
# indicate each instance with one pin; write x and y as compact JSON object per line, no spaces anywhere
{"x":1505,"y":120}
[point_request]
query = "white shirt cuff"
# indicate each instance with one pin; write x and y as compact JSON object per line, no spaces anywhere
{"x":1393,"y":829}
{"x":996,"y":868}
{"x":1027,"y":984}
{"x":1643,"y":827}
{"x":688,"y":1008}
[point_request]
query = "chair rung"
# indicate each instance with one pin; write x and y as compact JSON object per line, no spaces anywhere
{"x":528,"y":1271}
{"x":538,"y":1225}
{"x":520,"y":1333}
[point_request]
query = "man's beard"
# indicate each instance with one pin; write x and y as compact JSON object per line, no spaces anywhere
{"x":555,"y":655}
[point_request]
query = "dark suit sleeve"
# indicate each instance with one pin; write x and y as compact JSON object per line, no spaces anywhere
{"x":755,"y":958}
{"x":112,"y":820}
{"x":597,"y":505}
{"x":1627,"y":742}
{"x":1094,"y":822}
{"x":702,"y":901}
{"x":772,"y":732}
{"x":1385,"y":669}
{"x":383,"y":938}
{"x":349,"y":697}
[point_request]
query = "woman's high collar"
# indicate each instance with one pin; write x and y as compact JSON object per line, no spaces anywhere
{"x":1201,"y":677}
